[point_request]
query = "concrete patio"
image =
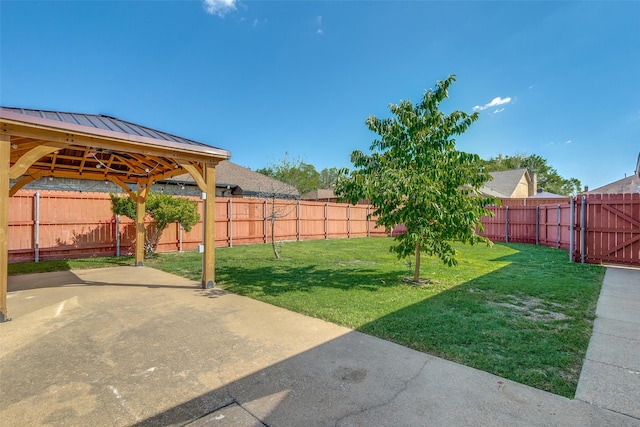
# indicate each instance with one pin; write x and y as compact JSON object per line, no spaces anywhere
{"x":136,"y":346}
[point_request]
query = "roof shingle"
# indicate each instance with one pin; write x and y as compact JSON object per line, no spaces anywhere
{"x":248,"y":182}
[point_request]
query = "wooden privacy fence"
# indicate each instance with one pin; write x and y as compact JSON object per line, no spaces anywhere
{"x":58,"y":225}
{"x":55,"y":225}
{"x":595,"y":228}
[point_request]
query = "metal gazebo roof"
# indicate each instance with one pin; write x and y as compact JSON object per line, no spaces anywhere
{"x":97,"y":147}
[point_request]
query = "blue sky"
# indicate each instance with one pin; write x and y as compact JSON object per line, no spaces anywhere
{"x":261,"y":78}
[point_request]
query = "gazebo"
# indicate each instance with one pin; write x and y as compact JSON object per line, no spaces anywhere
{"x":37,"y":143}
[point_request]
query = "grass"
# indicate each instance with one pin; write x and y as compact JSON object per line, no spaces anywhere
{"x":518,"y":311}
{"x":68,"y":264}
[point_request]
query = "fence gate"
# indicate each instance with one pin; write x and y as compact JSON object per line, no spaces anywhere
{"x":612,"y":229}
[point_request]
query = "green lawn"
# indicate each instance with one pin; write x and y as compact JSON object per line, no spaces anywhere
{"x":518,"y":311}
{"x":68,"y":264}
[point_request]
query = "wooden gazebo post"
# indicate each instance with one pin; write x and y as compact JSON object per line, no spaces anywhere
{"x":208,"y":270}
{"x":206,"y":181}
{"x":5,"y":147}
{"x":141,"y":199}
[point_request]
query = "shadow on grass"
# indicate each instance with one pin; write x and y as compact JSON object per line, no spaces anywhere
{"x":277,"y":280}
{"x":48,"y":266}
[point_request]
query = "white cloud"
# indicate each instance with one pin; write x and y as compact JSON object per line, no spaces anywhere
{"x":319,"y":22}
{"x":499,"y":110}
{"x":568,"y":141}
{"x":219,"y":7}
{"x":494,"y":103}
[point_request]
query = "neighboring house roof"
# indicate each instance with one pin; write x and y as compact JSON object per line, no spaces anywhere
{"x":243,"y":181}
{"x":630,"y":184}
{"x":505,"y":183}
{"x":492,"y":193}
{"x":319,"y":194}
{"x":547,"y":195}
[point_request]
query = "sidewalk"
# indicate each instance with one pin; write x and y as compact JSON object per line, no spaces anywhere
{"x":610,"y":376}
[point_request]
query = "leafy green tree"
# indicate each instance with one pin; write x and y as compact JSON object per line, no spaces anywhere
{"x":328,"y":177}
{"x":416,"y":176}
{"x":163,"y":210}
{"x":295,"y":172}
{"x":548,"y":177}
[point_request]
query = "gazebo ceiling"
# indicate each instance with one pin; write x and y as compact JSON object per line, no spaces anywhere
{"x":94,"y":147}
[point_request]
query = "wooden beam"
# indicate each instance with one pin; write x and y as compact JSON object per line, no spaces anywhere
{"x":54,"y":159}
{"x":208,"y":264}
{"x":60,"y":173}
{"x":124,"y":186}
{"x":24,"y":181}
{"x":5,"y":149}
{"x":143,"y":192}
{"x":197,"y":176}
{"x":33,"y":155}
{"x":163,"y":148}
{"x":135,"y":166}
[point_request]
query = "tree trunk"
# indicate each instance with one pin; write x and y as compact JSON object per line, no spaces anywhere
{"x":416,"y":273}
{"x":153,"y":233}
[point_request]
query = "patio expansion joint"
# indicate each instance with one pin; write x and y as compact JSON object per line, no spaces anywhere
{"x":606,"y":409}
{"x":613,"y":365}
{"x":234,"y":401}
{"x":619,"y":336}
{"x":404,"y":387}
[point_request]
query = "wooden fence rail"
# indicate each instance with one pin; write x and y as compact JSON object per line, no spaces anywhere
{"x":54,"y":225}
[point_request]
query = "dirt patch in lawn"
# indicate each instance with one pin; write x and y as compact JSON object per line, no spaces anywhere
{"x":531,"y":308}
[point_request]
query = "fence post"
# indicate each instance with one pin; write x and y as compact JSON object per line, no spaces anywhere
{"x":326,"y":221}
{"x":36,"y":227}
{"x":506,"y":224}
{"x":368,"y":223}
{"x":117,"y":235}
{"x":264,"y":223}
{"x":537,"y":225}
{"x":571,"y":228}
{"x":348,"y":222}
{"x":583,"y":222}
{"x":298,"y":221}
{"x":230,"y":216}
{"x":179,"y":237}
{"x":558,"y":228}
